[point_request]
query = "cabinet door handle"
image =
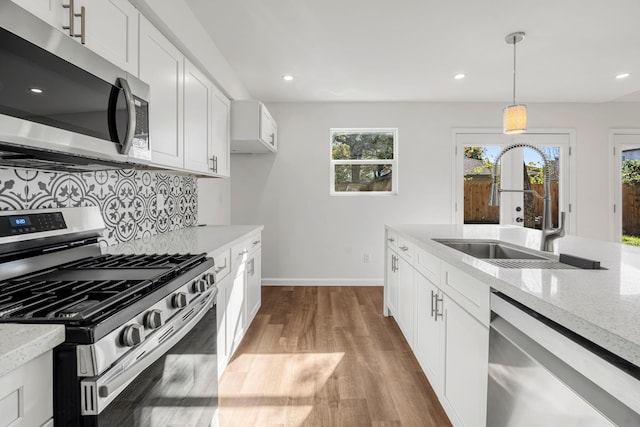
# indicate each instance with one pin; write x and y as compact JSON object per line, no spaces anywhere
{"x":251,"y":269}
{"x":433,"y":307}
{"x":404,"y":248}
{"x":214,"y":164}
{"x":273,"y":139}
{"x":243,"y":252}
{"x":393,"y":263}
{"x":439,"y":310}
{"x":256,"y":242}
{"x":69,"y":27}
{"x":82,"y":25}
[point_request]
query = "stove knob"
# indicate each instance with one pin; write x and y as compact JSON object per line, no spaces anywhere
{"x":210,"y":278}
{"x":200,"y":285}
{"x":132,"y":335}
{"x":153,"y":319}
{"x":179,"y":300}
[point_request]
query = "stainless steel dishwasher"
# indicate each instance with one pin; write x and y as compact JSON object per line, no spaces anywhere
{"x":541,"y":374}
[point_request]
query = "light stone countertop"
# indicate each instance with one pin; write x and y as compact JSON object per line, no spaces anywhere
{"x":194,"y":240}
{"x":21,"y":343}
{"x":600,"y":305}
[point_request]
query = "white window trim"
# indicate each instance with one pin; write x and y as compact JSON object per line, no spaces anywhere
{"x":393,"y":162}
{"x":569,"y":203}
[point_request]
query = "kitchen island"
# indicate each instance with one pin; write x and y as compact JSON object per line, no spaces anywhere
{"x":603,"y":305}
{"x":441,"y":299}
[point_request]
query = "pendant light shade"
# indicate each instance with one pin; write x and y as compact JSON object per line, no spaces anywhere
{"x":514,"y":119}
{"x":514,"y":116}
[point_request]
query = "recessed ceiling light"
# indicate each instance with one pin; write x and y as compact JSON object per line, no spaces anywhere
{"x":287,"y":77}
{"x":622,"y":75}
{"x":459,"y":76}
{"x":35,"y":90}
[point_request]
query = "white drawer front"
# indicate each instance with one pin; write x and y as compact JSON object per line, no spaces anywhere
{"x":254,"y":242}
{"x":405,"y":249}
{"x":427,"y":264}
{"x":470,"y":293}
{"x":222,"y":261}
{"x":392,"y":240}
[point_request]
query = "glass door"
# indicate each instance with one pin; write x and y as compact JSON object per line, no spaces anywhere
{"x":518,"y":169}
{"x":626,"y":191}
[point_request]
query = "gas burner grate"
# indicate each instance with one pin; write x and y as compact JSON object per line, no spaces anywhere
{"x":89,"y":289}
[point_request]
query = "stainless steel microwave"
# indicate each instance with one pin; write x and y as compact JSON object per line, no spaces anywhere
{"x":62,"y":106}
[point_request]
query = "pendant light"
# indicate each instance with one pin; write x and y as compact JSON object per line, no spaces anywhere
{"x":514,"y":116}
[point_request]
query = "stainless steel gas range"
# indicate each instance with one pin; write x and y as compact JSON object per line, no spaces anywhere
{"x":140,"y":329}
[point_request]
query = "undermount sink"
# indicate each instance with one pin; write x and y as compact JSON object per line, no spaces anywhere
{"x":488,"y":249}
{"x":508,"y":255}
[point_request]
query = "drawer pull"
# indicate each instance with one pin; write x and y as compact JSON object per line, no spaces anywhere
{"x":256,"y":242}
{"x":404,"y":248}
{"x":391,"y":239}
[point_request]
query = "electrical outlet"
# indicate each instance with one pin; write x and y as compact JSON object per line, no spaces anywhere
{"x":366,"y":258}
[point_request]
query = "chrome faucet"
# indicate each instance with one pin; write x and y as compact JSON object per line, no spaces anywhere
{"x":549,"y":234}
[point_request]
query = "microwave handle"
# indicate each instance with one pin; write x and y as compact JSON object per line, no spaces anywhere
{"x":125,"y":145}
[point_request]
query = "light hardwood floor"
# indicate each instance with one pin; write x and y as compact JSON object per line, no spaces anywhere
{"x":325,"y":356}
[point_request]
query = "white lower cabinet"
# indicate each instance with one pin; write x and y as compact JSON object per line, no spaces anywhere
{"x":466,"y":348}
{"x":430,"y":329}
{"x":406,"y":299}
{"x":392,"y":281}
{"x":26,"y":394}
{"x":239,"y":279}
{"x":223,"y":283}
{"x":444,"y":316}
{"x":254,"y":280}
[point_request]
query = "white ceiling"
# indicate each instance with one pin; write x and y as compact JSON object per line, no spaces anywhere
{"x":409,"y":50}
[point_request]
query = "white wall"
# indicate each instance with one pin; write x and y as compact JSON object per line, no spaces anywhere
{"x":214,"y":206}
{"x":310,"y":237}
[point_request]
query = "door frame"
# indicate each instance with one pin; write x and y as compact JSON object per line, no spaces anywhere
{"x":567,"y":203}
{"x":617,"y":139}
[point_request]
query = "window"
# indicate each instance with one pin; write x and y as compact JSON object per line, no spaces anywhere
{"x":364,"y":161}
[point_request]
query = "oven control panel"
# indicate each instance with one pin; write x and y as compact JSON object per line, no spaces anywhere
{"x":14,"y":225}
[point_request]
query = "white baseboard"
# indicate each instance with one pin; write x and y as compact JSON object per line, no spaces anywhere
{"x":322,"y":282}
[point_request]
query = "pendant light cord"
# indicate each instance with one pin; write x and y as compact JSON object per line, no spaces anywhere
{"x":514,"y":69}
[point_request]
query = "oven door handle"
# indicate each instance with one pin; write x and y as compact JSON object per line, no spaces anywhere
{"x":98,"y":392}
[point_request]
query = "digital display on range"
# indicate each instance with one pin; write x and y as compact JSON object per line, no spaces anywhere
{"x":19,"y":221}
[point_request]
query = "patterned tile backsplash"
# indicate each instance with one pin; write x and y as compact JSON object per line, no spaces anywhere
{"x":128,"y":199}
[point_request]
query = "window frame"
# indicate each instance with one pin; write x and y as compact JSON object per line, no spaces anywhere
{"x":393,"y":162}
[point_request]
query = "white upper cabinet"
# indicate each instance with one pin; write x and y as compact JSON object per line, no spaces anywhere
{"x":108,"y":27}
{"x":221,"y":122}
{"x":162,"y":67}
{"x":50,"y":11}
{"x":197,"y":119}
{"x":253,"y":129}
{"x":111,"y":30}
